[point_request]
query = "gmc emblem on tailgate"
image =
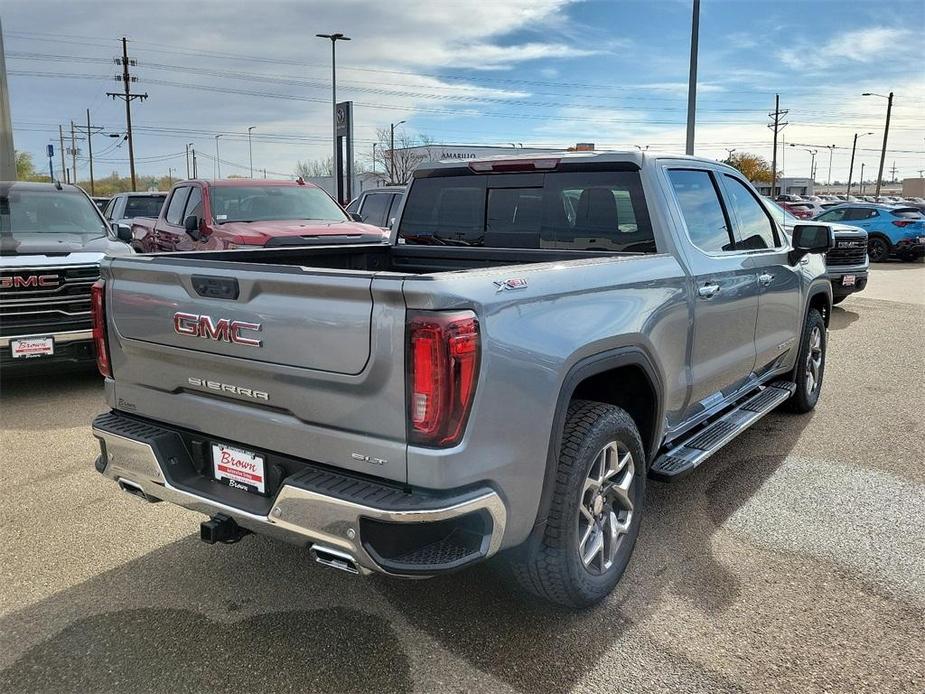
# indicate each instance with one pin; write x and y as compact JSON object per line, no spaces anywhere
{"x":223,"y":330}
{"x":29,"y":281}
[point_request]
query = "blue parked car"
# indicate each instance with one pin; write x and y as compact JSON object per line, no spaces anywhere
{"x":892,"y":230}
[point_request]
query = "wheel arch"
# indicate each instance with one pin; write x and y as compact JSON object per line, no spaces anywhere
{"x":597,"y":377}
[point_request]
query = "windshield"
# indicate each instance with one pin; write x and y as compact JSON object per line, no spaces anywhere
{"x":268,"y":203}
{"x":144,"y":205}
{"x":49,"y":212}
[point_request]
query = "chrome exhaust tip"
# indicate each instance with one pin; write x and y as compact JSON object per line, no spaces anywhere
{"x":135,"y":490}
{"x":334,"y":558}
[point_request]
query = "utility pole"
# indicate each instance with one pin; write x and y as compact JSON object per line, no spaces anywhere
{"x":90,"y":130}
{"x":392,"y":127}
{"x":851,"y":168}
{"x":61,"y":150}
{"x":195,"y":169}
{"x":250,"y":150}
{"x":218,"y":161}
{"x":170,"y":175}
{"x":776,"y":125}
{"x":692,"y":79}
{"x":374,"y":157}
{"x":7,"y":151}
{"x":862,"y":178}
{"x":893,"y":172}
{"x":128,"y":96}
{"x":886,"y":134}
{"x":73,"y":153}
{"x":828,"y":180}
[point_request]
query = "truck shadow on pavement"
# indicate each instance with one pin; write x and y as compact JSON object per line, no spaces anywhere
{"x":175,"y":619}
{"x":841,"y":318}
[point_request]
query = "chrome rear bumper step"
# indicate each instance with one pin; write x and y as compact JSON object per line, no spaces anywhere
{"x":691,"y":452}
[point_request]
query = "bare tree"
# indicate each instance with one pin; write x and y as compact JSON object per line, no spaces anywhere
{"x":314,"y":168}
{"x":410,"y":153}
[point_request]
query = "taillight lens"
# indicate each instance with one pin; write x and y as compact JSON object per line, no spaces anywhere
{"x":903,"y":222}
{"x":98,"y":312}
{"x":443,"y":365}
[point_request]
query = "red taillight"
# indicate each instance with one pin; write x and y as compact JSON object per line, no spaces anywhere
{"x":98,"y":312}
{"x":443,"y":365}
{"x":903,"y":222}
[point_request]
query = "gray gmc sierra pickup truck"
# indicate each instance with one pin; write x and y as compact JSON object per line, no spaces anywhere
{"x":542,"y":335}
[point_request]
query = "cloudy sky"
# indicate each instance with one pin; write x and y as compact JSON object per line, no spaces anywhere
{"x":537,"y":72}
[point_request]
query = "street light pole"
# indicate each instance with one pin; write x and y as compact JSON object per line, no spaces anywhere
{"x":218,"y":161}
{"x":374,"y":157}
{"x":392,"y":127}
{"x":250,"y":150}
{"x":862,"y":178}
{"x":188,"y":145}
{"x":692,"y":79}
{"x":851,"y":168}
{"x":828,"y":180}
{"x":886,"y":133}
{"x":334,"y":38}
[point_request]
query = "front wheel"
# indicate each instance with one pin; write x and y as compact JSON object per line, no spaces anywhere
{"x":596,"y":509}
{"x":810,"y":366}
{"x":878,"y":250}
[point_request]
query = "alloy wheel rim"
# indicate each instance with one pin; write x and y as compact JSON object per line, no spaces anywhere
{"x":605,"y":511}
{"x":814,"y":360}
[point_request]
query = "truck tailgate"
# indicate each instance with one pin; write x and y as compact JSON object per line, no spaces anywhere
{"x":290,"y":365}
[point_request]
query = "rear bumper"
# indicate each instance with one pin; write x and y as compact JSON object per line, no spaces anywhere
{"x":910,"y":248}
{"x":381,"y":528}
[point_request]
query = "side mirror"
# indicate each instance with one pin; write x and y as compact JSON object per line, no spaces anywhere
{"x":191,"y":226}
{"x":810,"y":238}
{"x":356,"y":217}
{"x":124,"y":233}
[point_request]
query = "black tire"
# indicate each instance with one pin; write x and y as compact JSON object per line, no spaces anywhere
{"x":551,"y":567}
{"x":812,"y":354}
{"x":838,"y":299}
{"x":878,"y":249}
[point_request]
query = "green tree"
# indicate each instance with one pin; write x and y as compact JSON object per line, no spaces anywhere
{"x":25,"y":169}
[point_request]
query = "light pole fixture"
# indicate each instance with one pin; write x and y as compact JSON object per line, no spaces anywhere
{"x":851,"y":168}
{"x":729,"y":151}
{"x":392,"y":127}
{"x":886,"y":133}
{"x":250,"y":150}
{"x":334,"y":38}
{"x":812,"y":164}
{"x":218,"y":161}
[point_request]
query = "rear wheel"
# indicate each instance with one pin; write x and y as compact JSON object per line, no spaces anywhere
{"x":810,"y":366}
{"x":596,"y":509}
{"x":878,"y":250}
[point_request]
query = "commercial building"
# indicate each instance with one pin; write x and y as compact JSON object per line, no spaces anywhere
{"x":914,"y":187}
{"x":796,"y":186}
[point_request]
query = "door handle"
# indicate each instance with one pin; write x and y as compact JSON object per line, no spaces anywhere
{"x":708,"y":290}
{"x":765,"y":279}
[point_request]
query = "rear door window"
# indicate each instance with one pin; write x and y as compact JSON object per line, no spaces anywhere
{"x":704,"y":215}
{"x":857,"y":214}
{"x":375,"y":208}
{"x":143,"y":205}
{"x":177,"y":203}
{"x":590,"y":210}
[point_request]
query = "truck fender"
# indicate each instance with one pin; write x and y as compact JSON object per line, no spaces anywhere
{"x":586,"y":367}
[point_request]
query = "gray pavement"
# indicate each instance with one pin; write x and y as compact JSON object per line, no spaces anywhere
{"x":792,"y":561}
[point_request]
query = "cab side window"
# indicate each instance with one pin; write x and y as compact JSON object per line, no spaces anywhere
{"x":194,"y":204}
{"x":375,"y":208}
{"x":177,"y":203}
{"x":756,"y":230}
{"x":698,"y":198}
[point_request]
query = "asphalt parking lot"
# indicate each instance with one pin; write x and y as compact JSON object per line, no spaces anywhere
{"x":793,"y":561}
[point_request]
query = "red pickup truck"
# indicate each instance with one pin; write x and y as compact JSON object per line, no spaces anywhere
{"x":242,"y":212}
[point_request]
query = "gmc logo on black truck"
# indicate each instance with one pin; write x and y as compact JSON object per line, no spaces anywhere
{"x":29,"y":281}
{"x":223,"y":330}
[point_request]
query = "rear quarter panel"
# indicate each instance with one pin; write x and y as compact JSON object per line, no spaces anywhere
{"x":531,"y":337}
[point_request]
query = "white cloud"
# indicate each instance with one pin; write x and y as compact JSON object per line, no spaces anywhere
{"x":859,"y":46}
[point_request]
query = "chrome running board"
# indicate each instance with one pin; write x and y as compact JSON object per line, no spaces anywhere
{"x":692,"y":451}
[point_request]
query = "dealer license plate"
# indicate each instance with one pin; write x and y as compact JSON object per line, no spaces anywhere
{"x":847,"y":280}
{"x":31,"y":347}
{"x":238,"y":468}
